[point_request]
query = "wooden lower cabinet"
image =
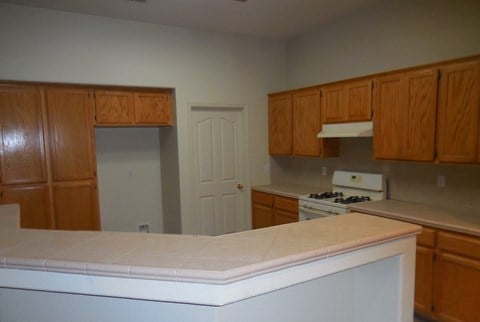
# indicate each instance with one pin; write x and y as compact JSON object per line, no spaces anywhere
{"x":457,"y":278}
{"x":424,"y":272}
{"x":447,"y":280}
{"x":262,"y":216}
{"x":76,"y":206}
{"x":262,"y":209}
{"x":270,"y":209}
{"x":34,"y":204}
{"x":285,"y":210}
{"x":284,"y":217}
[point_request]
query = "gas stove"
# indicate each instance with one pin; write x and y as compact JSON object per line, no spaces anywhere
{"x":348,"y":188}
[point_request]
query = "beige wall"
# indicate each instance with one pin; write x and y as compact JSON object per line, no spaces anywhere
{"x":392,"y":35}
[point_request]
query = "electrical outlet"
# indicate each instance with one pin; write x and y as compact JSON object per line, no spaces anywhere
{"x":144,"y":228}
{"x":441,"y":181}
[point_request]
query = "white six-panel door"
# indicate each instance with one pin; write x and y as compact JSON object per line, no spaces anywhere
{"x":218,"y":164}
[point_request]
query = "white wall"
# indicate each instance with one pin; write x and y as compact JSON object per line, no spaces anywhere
{"x":53,"y":46}
{"x":394,"y":34}
{"x":129,"y":178}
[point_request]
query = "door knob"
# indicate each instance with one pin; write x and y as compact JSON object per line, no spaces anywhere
{"x":240,"y":186}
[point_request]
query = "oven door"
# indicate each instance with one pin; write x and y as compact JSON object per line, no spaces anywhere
{"x":309,"y":213}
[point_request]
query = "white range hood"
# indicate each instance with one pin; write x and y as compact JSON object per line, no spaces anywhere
{"x":346,"y":130}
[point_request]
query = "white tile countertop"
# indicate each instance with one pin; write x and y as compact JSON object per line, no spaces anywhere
{"x":395,"y":209}
{"x":217,"y":260}
{"x":422,"y":214}
{"x":290,"y":190}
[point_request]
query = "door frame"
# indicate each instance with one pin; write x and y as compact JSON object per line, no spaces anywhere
{"x":243,"y":109}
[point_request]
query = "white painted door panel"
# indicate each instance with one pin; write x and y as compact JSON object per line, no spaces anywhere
{"x":218,"y":163}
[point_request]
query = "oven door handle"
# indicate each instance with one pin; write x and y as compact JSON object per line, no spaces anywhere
{"x":322,"y":213}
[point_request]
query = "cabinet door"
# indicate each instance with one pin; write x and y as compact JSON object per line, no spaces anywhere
{"x":405,"y":116}
{"x":458,"y":113}
{"x":114,"y":108}
{"x":22,"y":148}
{"x":262,"y":216}
{"x":34,"y":205}
{"x":262,"y":209}
{"x":76,"y":206}
{"x":457,"y":277}
{"x":388,"y":118}
{"x":458,"y":288}
{"x":306,"y":123}
{"x":284,"y":217}
{"x":70,"y":116}
{"x":153,"y":108}
{"x":280,"y":138}
{"x":348,"y":102}
{"x":334,"y":104}
{"x":359,"y":101}
{"x":424,"y":281}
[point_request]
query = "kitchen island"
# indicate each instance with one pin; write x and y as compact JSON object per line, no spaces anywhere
{"x":352,"y":267}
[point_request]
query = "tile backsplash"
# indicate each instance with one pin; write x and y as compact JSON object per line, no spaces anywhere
{"x":408,"y":181}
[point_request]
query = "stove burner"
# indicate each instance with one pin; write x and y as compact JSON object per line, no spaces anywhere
{"x":326,"y":195}
{"x":352,"y":199}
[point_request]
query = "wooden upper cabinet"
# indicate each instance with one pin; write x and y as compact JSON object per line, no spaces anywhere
{"x":128,"y":108}
{"x":153,"y":108}
{"x":405,"y":115}
{"x":459,"y":113}
{"x":280,"y":132}
{"x":347,"y":102}
{"x":70,"y":116}
{"x":22,"y":151}
{"x":114,"y":108}
{"x":306,"y":123}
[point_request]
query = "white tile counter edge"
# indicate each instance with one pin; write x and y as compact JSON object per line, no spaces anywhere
{"x":215,"y":287}
{"x":202,"y":293}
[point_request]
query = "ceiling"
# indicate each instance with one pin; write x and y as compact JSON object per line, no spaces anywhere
{"x":278,"y":19}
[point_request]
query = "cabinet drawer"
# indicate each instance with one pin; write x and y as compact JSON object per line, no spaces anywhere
{"x":426,"y":237}
{"x":459,"y":244}
{"x":262,"y":198}
{"x":287,"y":204}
